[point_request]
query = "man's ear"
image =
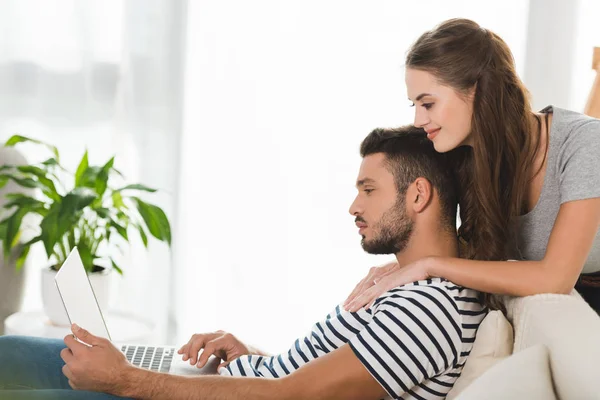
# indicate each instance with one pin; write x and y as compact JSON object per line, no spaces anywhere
{"x":423,"y":194}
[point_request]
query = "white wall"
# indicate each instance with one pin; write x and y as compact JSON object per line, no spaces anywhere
{"x":560,"y":38}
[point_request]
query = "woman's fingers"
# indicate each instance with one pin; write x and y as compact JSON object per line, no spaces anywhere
{"x":363,"y":284}
{"x":356,"y":291}
{"x":366,"y":297}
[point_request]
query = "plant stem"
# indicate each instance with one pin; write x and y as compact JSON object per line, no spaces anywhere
{"x":61,"y":244}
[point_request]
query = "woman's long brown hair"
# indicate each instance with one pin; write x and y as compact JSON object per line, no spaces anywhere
{"x":494,"y":175}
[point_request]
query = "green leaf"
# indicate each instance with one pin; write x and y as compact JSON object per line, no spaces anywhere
{"x":155,"y":219}
{"x":103,"y":212}
{"x":118,"y":201}
{"x":102,"y":178}
{"x":50,"y":229}
{"x":143,"y":234}
{"x":49,"y":188}
{"x":15,"y":139}
{"x":3,"y":226}
{"x":120,"y":229}
{"x":22,"y":257}
{"x":6,"y":167}
{"x":83,"y":166}
{"x":116,"y":267}
{"x":76,"y":200}
{"x":3,"y":180}
{"x":32,"y":241}
{"x":137,"y":186}
{"x":23,"y":201}
{"x":50,"y":162}
{"x":89,"y":177}
{"x":86,"y":256}
{"x":25,"y":182}
{"x":63,"y":216}
{"x":12,"y":229}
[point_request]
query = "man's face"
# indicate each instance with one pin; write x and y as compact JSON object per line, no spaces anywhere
{"x":379,"y":211}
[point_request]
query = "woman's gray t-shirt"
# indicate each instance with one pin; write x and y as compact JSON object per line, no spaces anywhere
{"x":572,"y":173}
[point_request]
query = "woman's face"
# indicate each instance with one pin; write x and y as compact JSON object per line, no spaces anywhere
{"x":444,"y":113}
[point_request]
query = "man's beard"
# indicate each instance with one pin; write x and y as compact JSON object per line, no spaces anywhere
{"x":392,"y":232}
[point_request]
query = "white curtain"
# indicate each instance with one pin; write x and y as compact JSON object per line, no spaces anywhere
{"x":278,"y":96}
{"x":106,"y":76}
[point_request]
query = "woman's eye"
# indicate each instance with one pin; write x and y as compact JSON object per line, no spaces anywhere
{"x":427,"y":105}
{"x":368,"y":191}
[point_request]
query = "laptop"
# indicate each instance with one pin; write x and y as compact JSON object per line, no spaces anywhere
{"x":83,"y":309}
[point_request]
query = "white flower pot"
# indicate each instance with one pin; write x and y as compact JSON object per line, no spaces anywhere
{"x":53,"y":305}
{"x":12,"y":284}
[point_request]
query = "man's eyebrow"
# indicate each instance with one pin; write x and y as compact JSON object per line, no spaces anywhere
{"x":362,"y":182}
{"x":419,"y":97}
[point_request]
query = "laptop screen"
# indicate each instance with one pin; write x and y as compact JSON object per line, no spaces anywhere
{"x":78,"y":296}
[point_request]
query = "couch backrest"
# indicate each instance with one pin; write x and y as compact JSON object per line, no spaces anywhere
{"x":570,"y":329}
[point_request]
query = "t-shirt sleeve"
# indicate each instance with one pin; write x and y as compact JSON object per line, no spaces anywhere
{"x":579,"y":163}
{"x":414,"y":335}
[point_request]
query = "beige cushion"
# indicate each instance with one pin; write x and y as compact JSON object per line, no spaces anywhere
{"x":493,"y":343}
{"x":525,"y":375}
{"x":570,"y":329}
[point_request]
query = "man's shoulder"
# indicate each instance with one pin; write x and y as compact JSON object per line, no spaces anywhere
{"x":435,"y":292}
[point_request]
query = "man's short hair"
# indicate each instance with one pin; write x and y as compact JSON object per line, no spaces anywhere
{"x":410,"y":155}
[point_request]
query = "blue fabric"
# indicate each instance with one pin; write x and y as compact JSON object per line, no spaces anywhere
{"x":31,"y":368}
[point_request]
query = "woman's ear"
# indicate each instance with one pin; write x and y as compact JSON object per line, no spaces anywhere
{"x":424,"y":194}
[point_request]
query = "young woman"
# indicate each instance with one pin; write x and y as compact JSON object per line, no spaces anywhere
{"x":529,"y":181}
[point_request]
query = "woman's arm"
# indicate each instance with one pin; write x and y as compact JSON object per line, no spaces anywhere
{"x":569,"y":245}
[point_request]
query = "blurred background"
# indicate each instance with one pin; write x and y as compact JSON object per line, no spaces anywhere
{"x":247,"y":116}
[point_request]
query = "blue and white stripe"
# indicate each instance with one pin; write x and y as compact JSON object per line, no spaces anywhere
{"x":414,"y":341}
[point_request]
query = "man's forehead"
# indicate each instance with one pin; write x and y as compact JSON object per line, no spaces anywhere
{"x":372,"y":169}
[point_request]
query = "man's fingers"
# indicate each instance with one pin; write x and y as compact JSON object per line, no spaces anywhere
{"x":223,"y":365}
{"x":195,"y":347}
{"x":74,"y":345}
{"x":209,"y":350}
{"x":67,"y":372}
{"x":183,"y":350}
{"x":66,"y":355}
{"x":85,"y":336}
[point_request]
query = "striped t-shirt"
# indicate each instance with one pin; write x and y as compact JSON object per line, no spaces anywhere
{"x":414,"y":341}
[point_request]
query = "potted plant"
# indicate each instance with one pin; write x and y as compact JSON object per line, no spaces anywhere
{"x":81,"y":210}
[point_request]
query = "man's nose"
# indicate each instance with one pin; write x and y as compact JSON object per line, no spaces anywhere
{"x":355,"y":207}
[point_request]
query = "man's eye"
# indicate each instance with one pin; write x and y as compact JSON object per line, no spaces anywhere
{"x":427,"y":105}
{"x":368,"y":191}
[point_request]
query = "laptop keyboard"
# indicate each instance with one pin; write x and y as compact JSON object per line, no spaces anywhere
{"x":157,"y":359}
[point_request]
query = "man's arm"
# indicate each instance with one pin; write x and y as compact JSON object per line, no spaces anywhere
{"x":337,"y":375}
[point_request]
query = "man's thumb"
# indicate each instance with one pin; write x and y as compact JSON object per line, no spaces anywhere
{"x":84,"y":335}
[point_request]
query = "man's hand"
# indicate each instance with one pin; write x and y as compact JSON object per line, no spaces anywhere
{"x":100,"y":368}
{"x":220,"y":344}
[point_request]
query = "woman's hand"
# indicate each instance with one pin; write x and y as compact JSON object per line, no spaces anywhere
{"x":374,"y":275}
{"x":220,"y":344}
{"x":369,"y":289}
